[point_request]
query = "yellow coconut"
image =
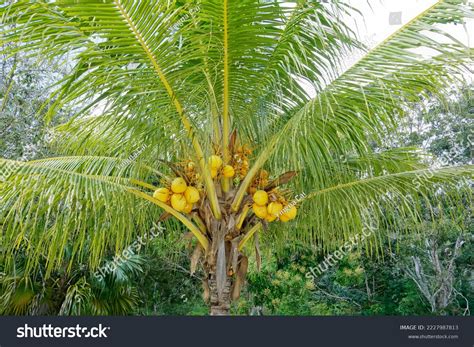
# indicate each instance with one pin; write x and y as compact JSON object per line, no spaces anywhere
{"x":215,"y":162}
{"x":274,"y":208}
{"x":162,"y":194}
{"x":213,"y":173}
{"x":270,"y":218}
{"x":191,"y":194}
{"x":284,"y":218}
{"x":260,"y":211}
{"x":178,"y":202}
{"x":178,"y":185}
{"x":228,"y":171}
{"x":290,"y":212}
{"x":188,"y":208}
{"x":260,"y":197}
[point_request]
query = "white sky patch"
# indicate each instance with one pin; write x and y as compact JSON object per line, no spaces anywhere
{"x":100,"y":108}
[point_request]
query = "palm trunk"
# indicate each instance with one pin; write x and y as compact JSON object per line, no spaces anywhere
{"x":219,"y":306}
{"x":221,"y":264}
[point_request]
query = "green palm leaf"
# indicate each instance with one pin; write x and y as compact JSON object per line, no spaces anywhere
{"x":54,"y":201}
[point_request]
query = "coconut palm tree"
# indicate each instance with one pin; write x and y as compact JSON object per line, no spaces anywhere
{"x":212,"y":115}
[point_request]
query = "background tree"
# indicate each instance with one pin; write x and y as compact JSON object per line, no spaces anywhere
{"x":23,"y":81}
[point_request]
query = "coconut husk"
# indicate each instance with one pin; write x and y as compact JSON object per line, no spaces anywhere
{"x":232,"y":140}
{"x":282,"y":179}
{"x":240,"y":277}
{"x":258,"y":257}
{"x":205,"y":291}
{"x":195,"y":258}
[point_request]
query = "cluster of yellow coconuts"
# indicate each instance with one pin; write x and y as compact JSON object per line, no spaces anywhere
{"x":179,"y":195}
{"x":182,"y":196}
{"x":215,"y":163}
{"x":272,"y":210}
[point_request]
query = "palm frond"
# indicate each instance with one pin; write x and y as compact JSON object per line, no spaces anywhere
{"x":123,"y":41}
{"x":337,"y":212}
{"x":46,"y":204}
{"x":258,"y":52}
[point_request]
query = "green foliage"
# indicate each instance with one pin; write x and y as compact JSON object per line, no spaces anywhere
{"x":23,"y":131}
{"x":446,"y":130}
{"x":283,"y":291}
{"x":167,"y":288}
{"x":79,"y":292}
{"x":356,"y":285}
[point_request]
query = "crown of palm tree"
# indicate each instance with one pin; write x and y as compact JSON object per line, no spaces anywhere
{"x":171,"y":80}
